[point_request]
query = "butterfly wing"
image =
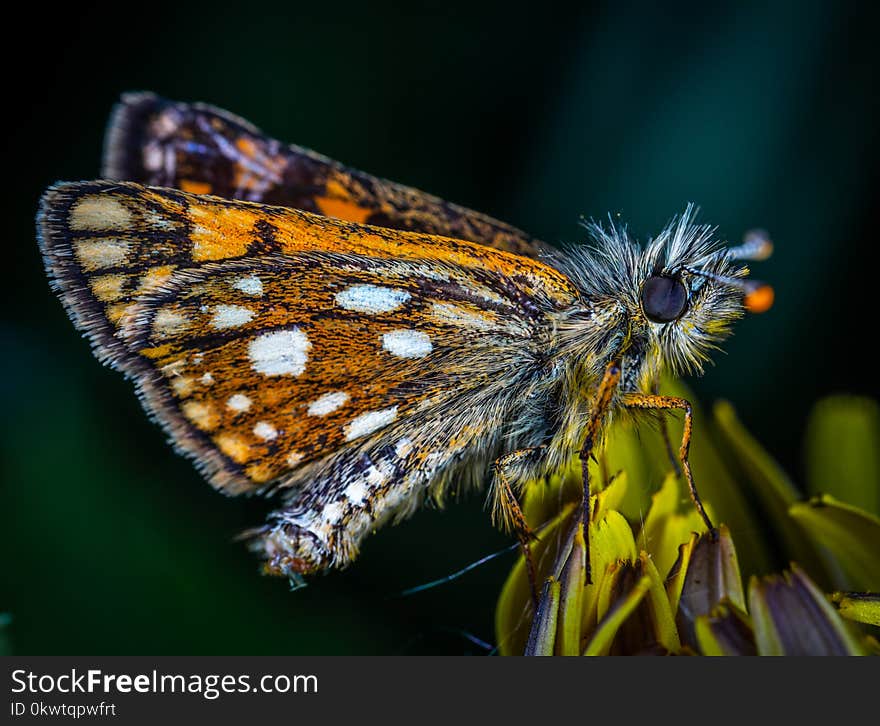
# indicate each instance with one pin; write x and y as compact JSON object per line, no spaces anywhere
{"x":202,"y":149}
{"x":352,"y":366}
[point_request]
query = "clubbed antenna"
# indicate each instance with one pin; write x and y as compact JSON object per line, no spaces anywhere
{"x":758,"y":296}
{"x":756,"y":246}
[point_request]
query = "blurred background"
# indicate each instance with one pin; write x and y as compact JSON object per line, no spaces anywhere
{"x":765,"y":114}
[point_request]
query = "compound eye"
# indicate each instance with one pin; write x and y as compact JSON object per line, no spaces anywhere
{"x":664,"y":299}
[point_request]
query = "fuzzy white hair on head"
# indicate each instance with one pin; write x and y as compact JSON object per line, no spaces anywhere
{"x":613,"y":267}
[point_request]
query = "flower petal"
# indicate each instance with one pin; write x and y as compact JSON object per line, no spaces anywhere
{"x":726,"y":631}
{"x":611,"y":542}
{"x":572,"y":581}
{"x":712,"y":576}
{"x":678,"y":573}
{"x":665,"y":527}
{"x":791,"y":616}
{"x":514,"y":610}
{"x":543,"y":499}
{"x":616,"y":615}
{"x":660,"y":615}
{"x":638,"y":451}
{"x":717,"y":484}
{"x":863,"y":607}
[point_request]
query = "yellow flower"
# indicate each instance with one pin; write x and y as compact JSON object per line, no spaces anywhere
{"x":660,"y":584}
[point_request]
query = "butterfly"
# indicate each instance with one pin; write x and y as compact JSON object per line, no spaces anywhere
{"x":353,"y":346}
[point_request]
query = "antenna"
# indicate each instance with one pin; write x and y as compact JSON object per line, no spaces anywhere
{"x":758,"y":296}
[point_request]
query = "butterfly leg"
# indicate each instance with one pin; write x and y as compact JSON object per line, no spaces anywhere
{"x":598,"y":412}
{"x":659,"y":403}
{"x":667,"y":442}
{"x":515,"y":466}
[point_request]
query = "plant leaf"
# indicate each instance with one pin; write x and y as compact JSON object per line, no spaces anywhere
{"x":843,"y":451}
{"x":850,"y":534}
{"x":773,"y":489}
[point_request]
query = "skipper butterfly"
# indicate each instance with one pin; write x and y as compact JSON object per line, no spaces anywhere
{"x":353,"y":346}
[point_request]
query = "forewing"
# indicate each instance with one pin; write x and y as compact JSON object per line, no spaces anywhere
{"x":201,"y":149}
{"x":266,"y":340}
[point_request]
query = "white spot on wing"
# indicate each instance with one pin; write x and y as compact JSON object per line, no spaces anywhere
{"x":377,"y":475}
{"x":108,"y":288}
{"x":407,"y":343}
{"x":282,"y":353}
{"x":158,"y":221}
{"x":238,"y":402}
{"x":293,"y":458}
{"x":332,"y":512}
{"x":327,"y":403}
{"x":96,"y":254}
{"x":169,"y":322}
{"x":369,"y":422}
{"x":403,"y":447}
{"x":356,"y":492}
{"x":231,"y":316}
{"x":99,"y":211}
{"x":371,"y":298}
{"x":251,"y":285}
{"x":201,"y":414}
{"x":432,"y":462}
{"x":454,"y":315}
{"x":265,"y":431}
{"x":398,"y":494}
{"x":182,"y":385}
{"x":174,"y":368}
{"x":207,"y":379}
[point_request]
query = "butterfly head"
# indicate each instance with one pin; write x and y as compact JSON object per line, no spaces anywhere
{"x":677,"y":296}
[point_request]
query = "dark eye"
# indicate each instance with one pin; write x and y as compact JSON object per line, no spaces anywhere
{"x":663,"y":299}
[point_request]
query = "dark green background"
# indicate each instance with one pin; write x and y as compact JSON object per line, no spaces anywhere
{"x":765,"y":114}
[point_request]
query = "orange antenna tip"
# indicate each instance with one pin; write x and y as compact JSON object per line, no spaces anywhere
{"x":759,"y":297}
{"x":756,"y":246}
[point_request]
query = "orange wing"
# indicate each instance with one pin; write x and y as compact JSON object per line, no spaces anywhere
{"x":356,"y":367}
{"x":201,"y":149}
{"x":266,"y":339}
